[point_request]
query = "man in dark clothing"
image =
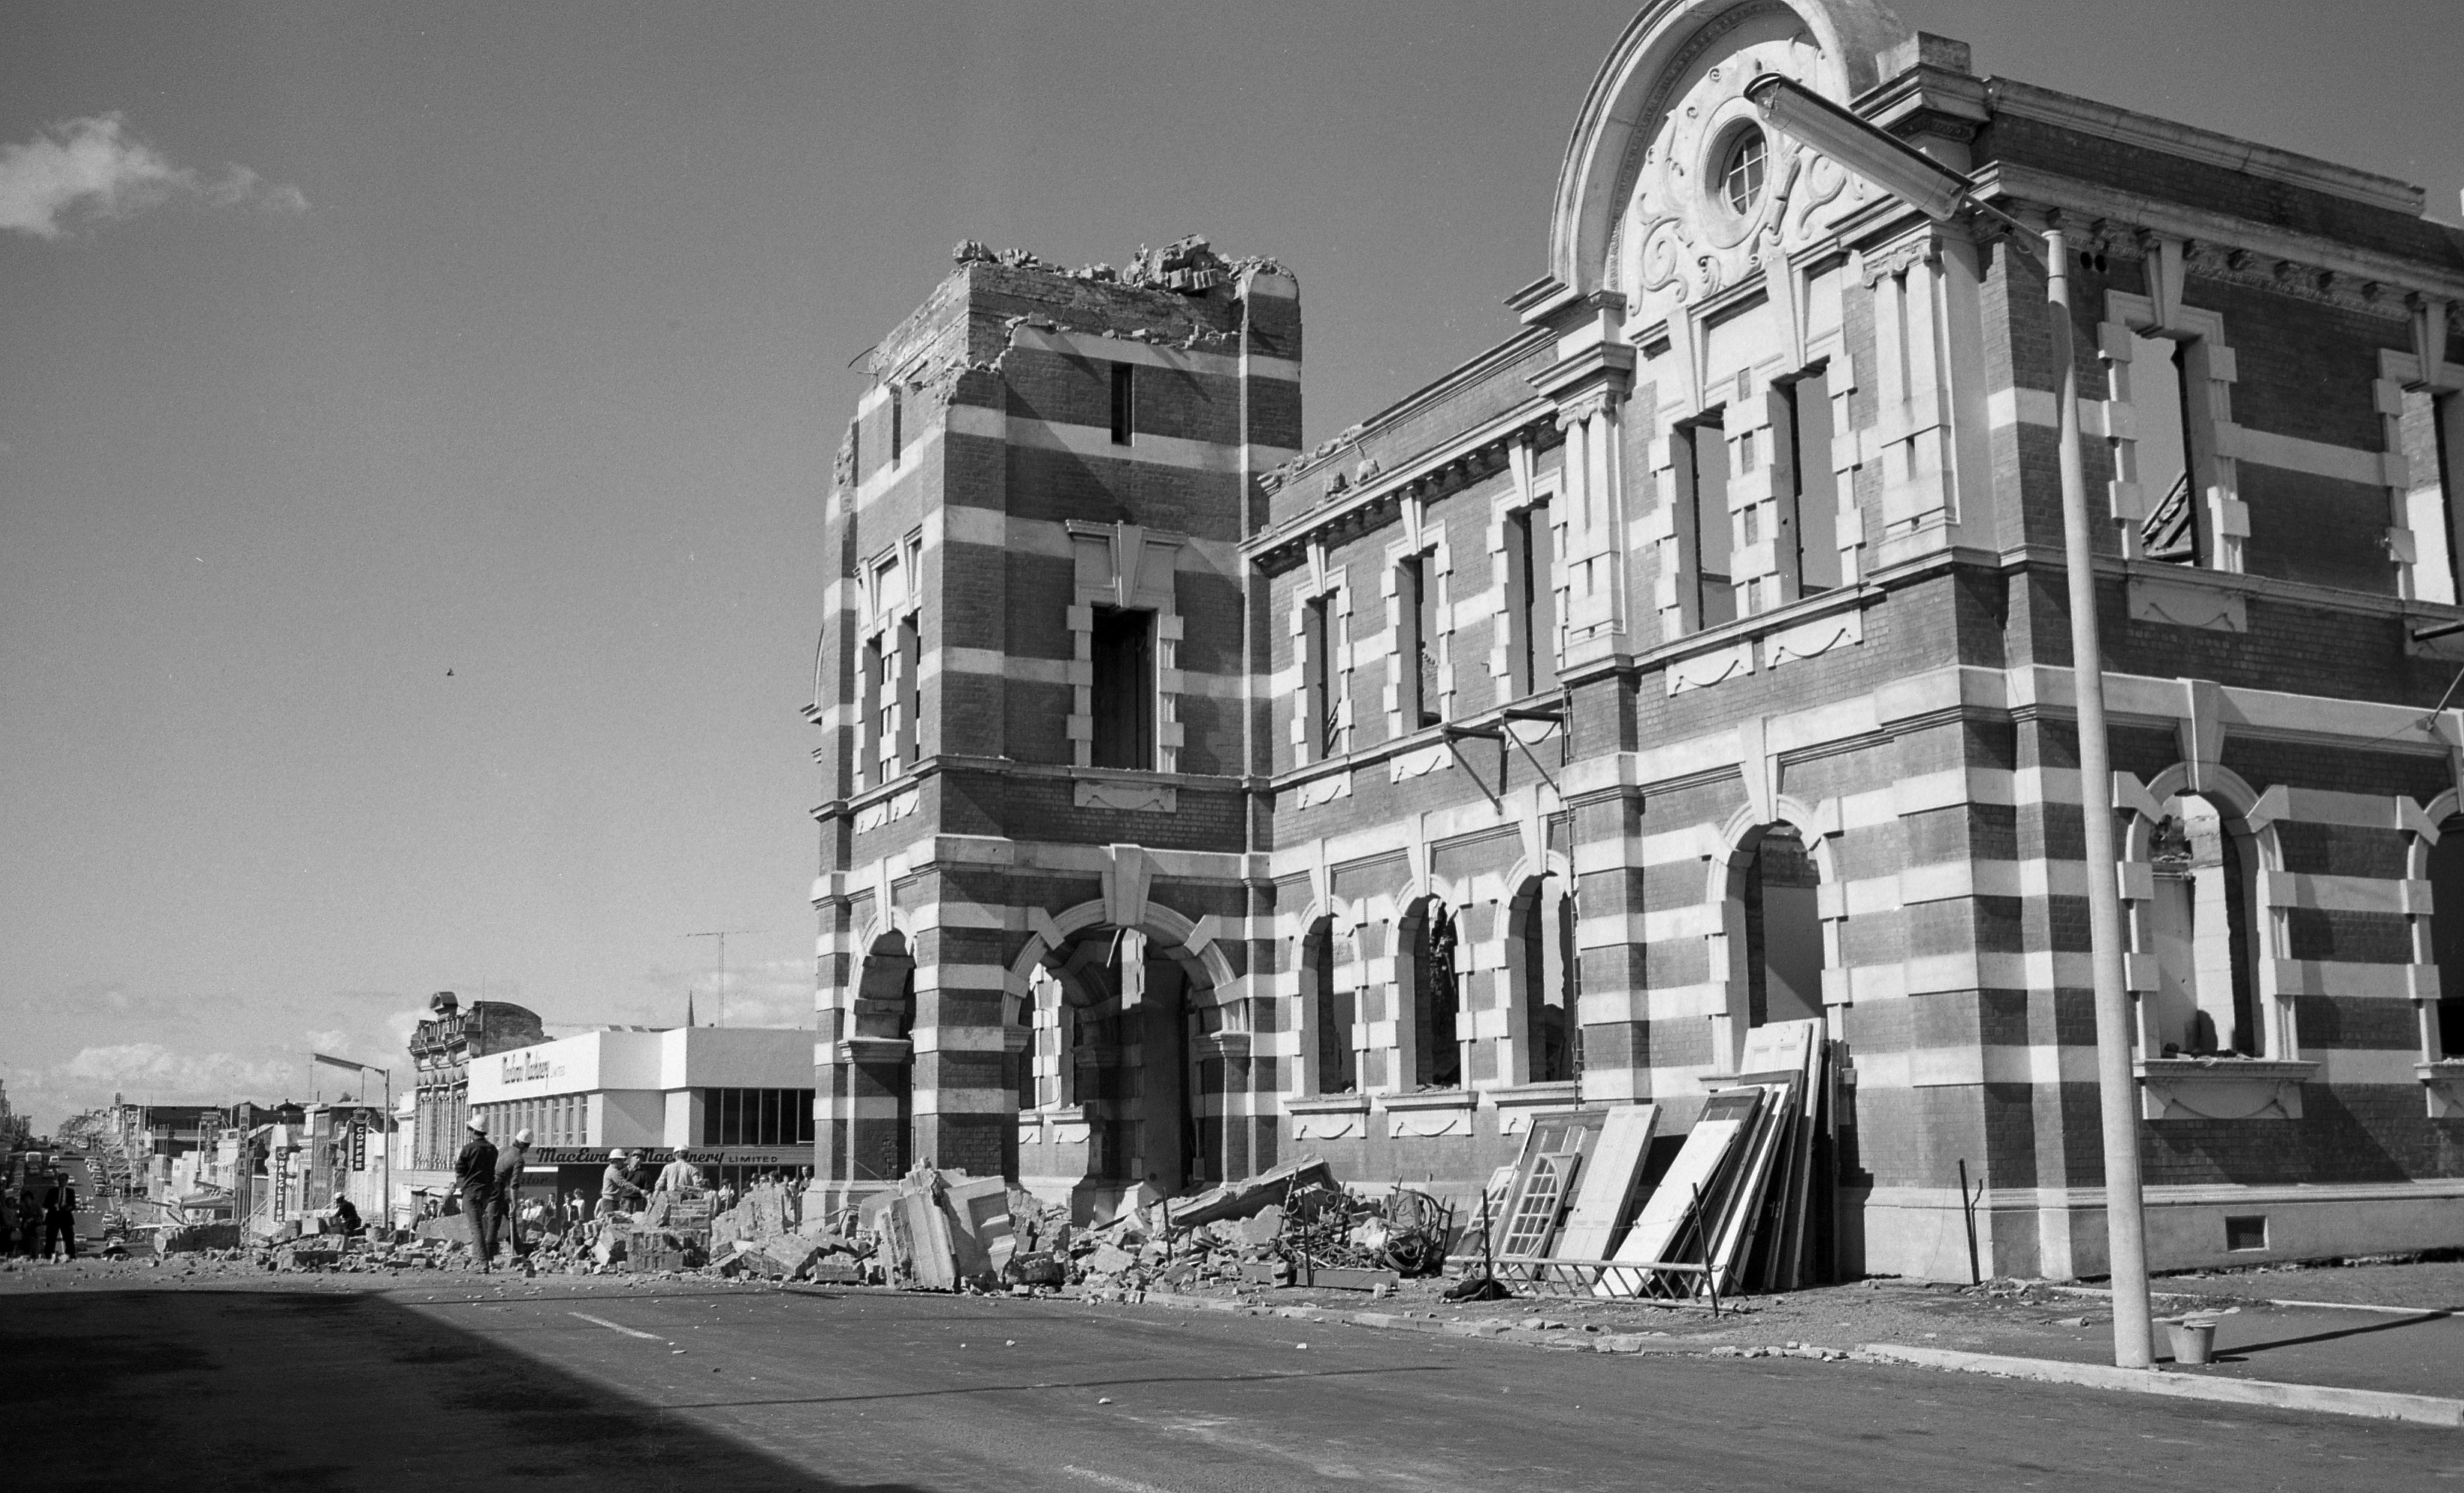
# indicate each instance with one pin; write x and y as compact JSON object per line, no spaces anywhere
{"x":475,"y":1175}
{"x":59,"y":1218}
{"x":508,"y":1186}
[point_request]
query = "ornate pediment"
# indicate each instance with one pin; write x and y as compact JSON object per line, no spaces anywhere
{"x":1716,"y":195}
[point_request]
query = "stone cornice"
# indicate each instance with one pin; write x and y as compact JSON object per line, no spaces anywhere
{"x":2099,"y":205}
{"x":2123,"y":126}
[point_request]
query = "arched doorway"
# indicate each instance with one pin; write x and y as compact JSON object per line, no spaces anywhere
{"x":1139,"y":1018}
{"x":1779,"y":883}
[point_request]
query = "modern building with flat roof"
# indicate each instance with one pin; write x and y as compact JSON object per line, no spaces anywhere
{"x":732,"y":1100}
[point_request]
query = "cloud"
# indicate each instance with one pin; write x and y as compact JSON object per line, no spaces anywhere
{"x":166,"y":1075}
{"x":93,"y":168}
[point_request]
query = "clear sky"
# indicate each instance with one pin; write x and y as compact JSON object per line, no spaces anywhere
{"x":410,"y":472}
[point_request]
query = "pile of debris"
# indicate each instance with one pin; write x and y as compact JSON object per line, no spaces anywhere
{"x":1295,"y":1225}
{"x":1594,"y":1205}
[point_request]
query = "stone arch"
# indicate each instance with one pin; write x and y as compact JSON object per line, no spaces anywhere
{"x":1622,"y":109}
{"x":1171,"y":929}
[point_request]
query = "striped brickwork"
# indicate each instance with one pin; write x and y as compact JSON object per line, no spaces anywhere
{"x":1790,"y":471}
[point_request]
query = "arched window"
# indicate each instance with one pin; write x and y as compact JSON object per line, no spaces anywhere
{"x":1784,"y":953}
{"x":2447,"y":935}
{"x":2202,"y":931}
{"x":1330,"y":1012}
{"x":1428,"y":938}
{"x":1542,"y":971}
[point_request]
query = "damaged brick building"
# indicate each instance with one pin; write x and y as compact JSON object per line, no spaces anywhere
{"x":1694,"y":658}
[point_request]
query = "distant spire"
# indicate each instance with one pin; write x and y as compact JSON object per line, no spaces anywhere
{"x":689,"y":1014}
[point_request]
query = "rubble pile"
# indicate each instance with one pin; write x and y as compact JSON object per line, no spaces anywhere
{"x":1295,"y":1225}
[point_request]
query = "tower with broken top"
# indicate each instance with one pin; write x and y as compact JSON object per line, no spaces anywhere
{"x":1690,"y":664}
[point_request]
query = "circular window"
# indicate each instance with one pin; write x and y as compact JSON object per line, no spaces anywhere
{"x":1741,"y":170}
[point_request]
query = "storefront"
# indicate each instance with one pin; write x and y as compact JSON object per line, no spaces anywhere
{"x":736,"y":1102}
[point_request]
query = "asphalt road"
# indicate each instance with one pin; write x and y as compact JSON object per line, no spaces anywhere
{"x":329,"y":1384}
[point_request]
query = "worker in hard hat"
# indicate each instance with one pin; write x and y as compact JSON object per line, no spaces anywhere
{"x":616,"y":1185}
{"x":474,"y":1175}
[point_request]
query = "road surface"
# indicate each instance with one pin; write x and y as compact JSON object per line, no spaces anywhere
{"x":431,"y":1383}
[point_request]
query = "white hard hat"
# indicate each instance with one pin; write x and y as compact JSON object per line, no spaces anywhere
{"x":522,"y":1137}
{"x":478,"y":1123}
{"x":618,"y":1155}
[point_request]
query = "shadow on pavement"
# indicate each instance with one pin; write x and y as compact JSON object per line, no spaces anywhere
{"x":2244,"y":1349}
{"x":256,"y":1390}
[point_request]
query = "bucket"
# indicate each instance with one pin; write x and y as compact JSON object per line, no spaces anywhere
{"x":2194,"y":1339}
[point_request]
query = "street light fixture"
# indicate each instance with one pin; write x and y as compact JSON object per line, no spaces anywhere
{"x":1942,"y":194}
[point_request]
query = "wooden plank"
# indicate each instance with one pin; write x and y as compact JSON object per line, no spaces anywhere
{"x":1609,"y":1181}
{"x":1738,"y":1211}
{"x":1791,"y":1271}
{"x":1671,"y":1202}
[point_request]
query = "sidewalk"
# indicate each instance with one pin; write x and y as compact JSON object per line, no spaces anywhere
{"x":2341,"y":1355}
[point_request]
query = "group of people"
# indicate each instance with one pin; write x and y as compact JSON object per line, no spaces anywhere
{"x":40,"y":1220}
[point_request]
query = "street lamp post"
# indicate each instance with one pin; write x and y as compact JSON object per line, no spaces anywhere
{"x":1942,"y":194}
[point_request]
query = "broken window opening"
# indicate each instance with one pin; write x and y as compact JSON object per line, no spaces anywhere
{"x":1330,"y":1011}
{"x":1422,"y":702}
{"x":1784,"y":954}
{"x":1701,"y":451}
{"x":2203,"y":925}
{"x":1122,"y":649}
{"x":1531,"y":600}
{"x":1544,"y":975}
{"x":897,"y":424}
{"x":1124,"y":401}
{"x":2430,"y":427}
{"x":2174,"y":531}
{"x":1436,"y":1058}
{"x":1807,"y":488}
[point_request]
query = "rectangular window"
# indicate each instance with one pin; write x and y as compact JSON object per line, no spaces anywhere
{"x":1808,"y":490}
{"x":1417,"y":648}
{"x":1531,"y":602}
{"x":875,"y":721}
{"x":1702,"y":459}
{"x":897,"y":424}
{"x":1123,"y":648}
{"x":2172,"y":529}
{"x":1320,"y":710}
{"x":855,"y":449}
{"x":910,"y":694}
{"x":1124,"y":401}
{"x":2431,"y":427}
